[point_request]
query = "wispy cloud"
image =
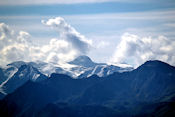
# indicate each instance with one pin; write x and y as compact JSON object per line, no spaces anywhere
{"x":106,"y":21}
{"x":143,"y":15}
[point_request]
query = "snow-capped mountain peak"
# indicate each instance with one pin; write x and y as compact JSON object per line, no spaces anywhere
{"x":17,"y":73}
{"x":84,"y":61}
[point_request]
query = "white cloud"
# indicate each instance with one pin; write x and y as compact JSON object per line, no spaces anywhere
{"x":15,"y":46}
{"x":68,"y":33}
{"x":12,"y":45}
{"x":137,"y":50}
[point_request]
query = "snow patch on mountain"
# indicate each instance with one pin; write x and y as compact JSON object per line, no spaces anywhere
{"x":17,"y":73}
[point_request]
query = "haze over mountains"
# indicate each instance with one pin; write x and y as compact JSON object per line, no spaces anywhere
{"x":147,"y":91}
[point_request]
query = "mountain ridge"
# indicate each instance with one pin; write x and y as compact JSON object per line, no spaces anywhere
{"x":80,"y":67}
{"x":126,"y":94}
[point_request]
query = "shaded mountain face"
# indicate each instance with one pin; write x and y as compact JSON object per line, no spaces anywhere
{"x":5,"y":75}
{"x":2,"y":76}
{"x":65,"y":110}
{"x":141,"y":92}
{"x":17,"y":74}
{"x":24,"y":73}
{"x":154,"y":77}
{"x":7,"y":72}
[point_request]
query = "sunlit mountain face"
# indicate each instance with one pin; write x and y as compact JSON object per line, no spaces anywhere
{"x":87,"y":58}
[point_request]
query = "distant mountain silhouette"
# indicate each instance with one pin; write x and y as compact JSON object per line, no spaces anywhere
{"x":148,"y":91}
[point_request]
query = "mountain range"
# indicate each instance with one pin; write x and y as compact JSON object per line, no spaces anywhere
{"x":17,"y":73}
{"x":147,"y":91}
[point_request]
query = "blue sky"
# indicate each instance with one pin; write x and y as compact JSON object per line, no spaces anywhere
{"x":104,"y":23}
{"x":81,"y":8}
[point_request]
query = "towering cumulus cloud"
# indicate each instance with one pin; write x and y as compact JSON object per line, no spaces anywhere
{"x":69,"y":34}
{"x":15,"y":46}
{"x":138,"y":50}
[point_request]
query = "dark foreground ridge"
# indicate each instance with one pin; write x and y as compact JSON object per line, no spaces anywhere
{"x":146,"y":91}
